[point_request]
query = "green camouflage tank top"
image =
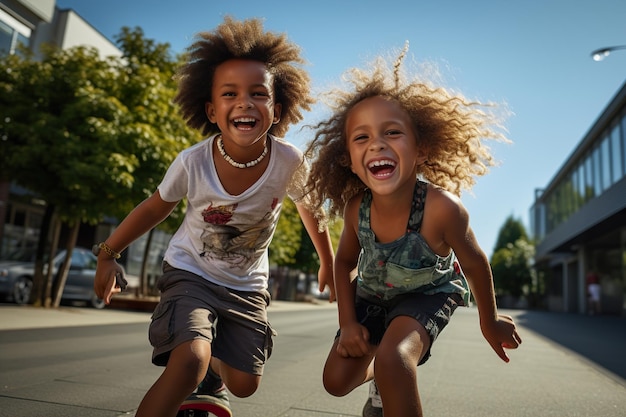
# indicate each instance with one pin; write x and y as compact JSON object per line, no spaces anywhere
{"x":407,"y":264}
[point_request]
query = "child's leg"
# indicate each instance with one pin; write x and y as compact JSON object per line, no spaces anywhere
{"x":244,"y":339}
{"x":186,"y":367}
{"x":241,"y":384}
{"x":342,"y":375}
{"x":414,"y":323}
{"x":404,"y":344}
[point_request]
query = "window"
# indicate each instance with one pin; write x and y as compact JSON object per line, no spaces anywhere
{"x":581,"y":194}
{"x":623,"y":141}
{"x":12,"y":33}
{"x":589,"y":192}
{"x":597,"y":171}
{"x":571,"y":195}
{"x":605,"y":159}
{"x":6,"y":38}
{"x":617,"y":167}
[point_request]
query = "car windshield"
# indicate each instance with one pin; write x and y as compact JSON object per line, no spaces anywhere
{"x":23,"y":255}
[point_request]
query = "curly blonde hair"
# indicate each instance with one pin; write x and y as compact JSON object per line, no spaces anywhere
{"x":450,"y":128}
{"x":242,"y":40}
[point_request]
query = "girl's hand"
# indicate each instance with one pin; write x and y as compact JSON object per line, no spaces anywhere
{"x":353,"y":341}
{"x":501,"y":334}
{"x":325,"y":279}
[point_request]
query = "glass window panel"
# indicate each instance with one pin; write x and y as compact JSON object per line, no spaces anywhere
{"x":563,"y":199}
{"x":589,"y":193}
{"x":616,"y":154}
{"x":623,"y":141}
{"x":597,"y":172}
{"x":6,"y":38}
{"x":551,"y":210}
{"x":605,"y":159}
{"x":572,"y":199}
{"x":581,"y":194}
{"x":21,"y":40}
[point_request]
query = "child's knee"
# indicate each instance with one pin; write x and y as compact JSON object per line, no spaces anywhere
{"x":337,"y":382}
{"x":334,"y":387}
{"x":398,"y":356}
{"x":192,"y":359}
{"x":243,"y":386}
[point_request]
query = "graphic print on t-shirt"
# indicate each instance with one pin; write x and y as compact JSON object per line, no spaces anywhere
{"x":230,"y":244}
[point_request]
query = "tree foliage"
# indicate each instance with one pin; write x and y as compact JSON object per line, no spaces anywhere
{"x":292,"y":246}
{"x":91,"y":137}
{"x":512,"y":270}
{"x":307,"y":259}
{"x":512,"y":261}
{"x":287,"y":237}
{"x":512,"y":230}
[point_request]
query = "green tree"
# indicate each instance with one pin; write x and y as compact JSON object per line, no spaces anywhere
{"x":306,"y":258}
{"x":165,"y":134}
{"x":512,"y":270}
{"x":512,"y":261}
{"x":139,"y":49}
{"x":89,"y":136}
{"x":287,"y":237}
{"x":512,"y":230}
{"x":291,"y":247}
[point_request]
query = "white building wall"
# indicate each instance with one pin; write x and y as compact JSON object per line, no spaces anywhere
{"x":44,"y":9}
{"x":43,"y":23}
{"x":74,"y":31}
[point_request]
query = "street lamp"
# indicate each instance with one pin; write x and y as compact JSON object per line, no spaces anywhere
{"x":600,"y":54}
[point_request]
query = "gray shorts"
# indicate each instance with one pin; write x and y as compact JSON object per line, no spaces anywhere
{"x":234,"y":322}
{"x":433,"y":311}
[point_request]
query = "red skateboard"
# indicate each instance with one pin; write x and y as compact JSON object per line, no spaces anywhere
{"x":203,"y":406}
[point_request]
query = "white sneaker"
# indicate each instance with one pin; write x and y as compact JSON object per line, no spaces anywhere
{"x":373,"y":406}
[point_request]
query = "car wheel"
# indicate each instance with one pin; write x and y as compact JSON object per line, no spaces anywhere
{"x":95,"y":302}
{"x":21,"y":290}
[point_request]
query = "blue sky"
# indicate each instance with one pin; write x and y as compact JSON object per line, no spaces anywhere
{"x":533,"y":55}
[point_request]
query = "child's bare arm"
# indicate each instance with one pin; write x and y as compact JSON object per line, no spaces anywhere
{"x":499,"y":330}
{"x":144,"y":217}
{"x":353,"y":340}
{"x":323,"y":247}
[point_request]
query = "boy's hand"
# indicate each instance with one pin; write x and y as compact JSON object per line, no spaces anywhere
{"x":353,"y":341}
{"x":501,"y":334}
{"x":109,"y":280}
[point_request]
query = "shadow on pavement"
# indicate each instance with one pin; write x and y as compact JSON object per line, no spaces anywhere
{"x":600,"y":339}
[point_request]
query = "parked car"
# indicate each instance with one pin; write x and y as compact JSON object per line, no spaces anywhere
{"x":17,"y":271}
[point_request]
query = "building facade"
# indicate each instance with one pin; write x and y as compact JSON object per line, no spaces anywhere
{"x":579,"y":219}
{"x":36,"y":22}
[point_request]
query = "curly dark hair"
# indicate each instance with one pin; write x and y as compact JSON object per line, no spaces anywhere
{"x":450,"y":128}
{"x":242,"y":40}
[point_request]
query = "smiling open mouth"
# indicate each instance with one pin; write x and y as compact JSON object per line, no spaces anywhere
{"x":382,"y":168}
{"x":244,"y":122}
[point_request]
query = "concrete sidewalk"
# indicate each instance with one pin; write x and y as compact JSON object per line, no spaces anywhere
{"x":122,"y":310}
{"x":568,"y":365}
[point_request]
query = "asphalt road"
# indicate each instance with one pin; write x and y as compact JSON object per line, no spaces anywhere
{"x":89,"y":363}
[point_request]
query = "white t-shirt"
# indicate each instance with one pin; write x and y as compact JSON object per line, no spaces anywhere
{"x":224,"y":238}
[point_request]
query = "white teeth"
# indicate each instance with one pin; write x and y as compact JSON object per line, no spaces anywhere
{"x":381,"y":163}
{"x":244,"y":120}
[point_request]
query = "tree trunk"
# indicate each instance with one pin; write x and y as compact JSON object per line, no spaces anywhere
{"x":37,"y":296}
{"x":143,"y":276}
{"x":48,"y":279}
{"x":5,"y":187}
{"x":62,"y":274}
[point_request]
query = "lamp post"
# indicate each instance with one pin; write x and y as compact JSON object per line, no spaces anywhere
{"x":600,"y":54}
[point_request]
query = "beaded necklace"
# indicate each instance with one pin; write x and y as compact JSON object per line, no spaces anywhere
{"x":227,"y":157}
